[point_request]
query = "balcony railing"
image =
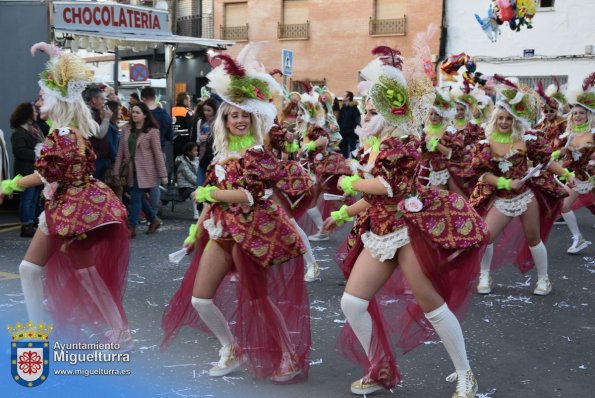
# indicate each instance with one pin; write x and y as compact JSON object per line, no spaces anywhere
{"x":293,"y":31}
{"x":380,"y":27}
{"x":195,"y":26}
{"x":238,"y":33}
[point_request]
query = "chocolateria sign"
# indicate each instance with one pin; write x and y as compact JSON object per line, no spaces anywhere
{"x":110,"y":17}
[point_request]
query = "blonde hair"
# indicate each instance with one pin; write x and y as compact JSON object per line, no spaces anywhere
{"x":517,"y":127}
{"x":73,"y":114}
{"x":570,"y":124}
{"x":220,"y":131}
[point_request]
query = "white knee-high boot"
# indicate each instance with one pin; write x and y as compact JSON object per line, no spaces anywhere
{"x":316,"y":217}
{"x":539,"y":254}
{"x":571,"y":223}
{"x":214,"y":319}
{"x":308,"y":256}
{"x":449,"y":330}
{"x":32,"y":286}
{"x":356,"y":312}
{"x":485,"y":280}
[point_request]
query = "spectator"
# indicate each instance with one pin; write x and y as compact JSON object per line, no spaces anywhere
{"x":133,"y":99}
{"x":140,"y":162}
{"x":25,"y":137}
{"x":93,"y":96}
{"x":201,"y":133}
{"x":349,"y":118}
{"x":161,"y":116}
{"x":182,"y":112}
{"x":113,"y":139}
{"x":186,"y":173}
{"x":42,"y":117}
{"x":4,"y":168}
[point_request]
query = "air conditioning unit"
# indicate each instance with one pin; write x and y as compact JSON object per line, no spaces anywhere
{"x":588,"y":49}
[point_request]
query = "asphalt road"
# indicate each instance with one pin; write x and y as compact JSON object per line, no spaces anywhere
{"x":519,"y":345}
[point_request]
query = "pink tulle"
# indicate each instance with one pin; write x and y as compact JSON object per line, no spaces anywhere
{"x":396,"y":316}
{"x":255,"y":308}
{"x":75,"y":314}
{"x":511,"y":246}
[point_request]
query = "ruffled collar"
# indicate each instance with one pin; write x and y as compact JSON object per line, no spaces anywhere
{"x":239,"y":143}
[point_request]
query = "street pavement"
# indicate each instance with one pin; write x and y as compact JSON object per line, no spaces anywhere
{"x":519,"y":345}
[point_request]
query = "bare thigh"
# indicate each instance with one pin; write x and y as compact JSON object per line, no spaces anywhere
{"x":37,"y":253}
{"x":569,"y":200}
{"x":422,"y":288}
{"x":453,"y":187}
{"x":368,"y":275}
{"x":530,"y":219}
{"x":215,"y":263}
{"x":496,"y":222}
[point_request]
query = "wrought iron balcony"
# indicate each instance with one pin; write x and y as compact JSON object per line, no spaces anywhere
{"x":299,"y":31}
{"x":195,"y":26}
{"x":237,"y":33}
{"x":385,"y":27}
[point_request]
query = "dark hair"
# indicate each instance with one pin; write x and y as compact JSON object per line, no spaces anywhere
{"x":199,"y":114}
{"x":348,"y":94}
{"x":336,"y":106}
{"x":150,"y":122}
{"x":147,"y":93}
{"x":189,"y":147}
{"x":135,"y":96}
{"x":180,"y":98}
{"x":114,"y":106}
{"x":23,"y":113}
{"x":91,"y":92}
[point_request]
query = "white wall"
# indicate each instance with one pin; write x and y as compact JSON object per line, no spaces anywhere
{"x":561,"y":32}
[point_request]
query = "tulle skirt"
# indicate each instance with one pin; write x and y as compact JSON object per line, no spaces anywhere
{"x":255,"y":308}
{"x":81,"y":270}
{"x":397,"y":318}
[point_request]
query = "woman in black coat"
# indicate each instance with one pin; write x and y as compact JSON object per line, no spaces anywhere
{"x":25,"y":137}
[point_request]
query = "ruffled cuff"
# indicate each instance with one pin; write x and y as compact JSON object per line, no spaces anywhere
{"x":249,"y":196}
{"x":389,"y":189}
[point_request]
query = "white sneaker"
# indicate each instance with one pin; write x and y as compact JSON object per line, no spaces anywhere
{"x":319,"y":237}
{"x":466,"y":384}
{"x":365,"y":386}
{"x":228,"y":362}
{"x":312,"y":272}
{"x":121,"y":337}
{"x":578,"y":244}
{"x":543,"y":287}
{"x":288,"y":369}
{"x":485,"y":283}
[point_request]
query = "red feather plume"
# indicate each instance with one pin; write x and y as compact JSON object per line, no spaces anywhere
{"x":276,"y":72}
{"x":306,"y":85}
{"x":557,"y":83}
{"x":540,"y":90}
{"x":389,"y":56}
{"x":231,"y":66}
{"x":589,"y":82}
{"x":504,"y":81}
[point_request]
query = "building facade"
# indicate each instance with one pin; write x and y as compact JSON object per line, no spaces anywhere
{"x":331,"y":40}
{"x":560,"y":43}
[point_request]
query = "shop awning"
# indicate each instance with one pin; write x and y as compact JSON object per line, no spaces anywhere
{"x":162,"y":39}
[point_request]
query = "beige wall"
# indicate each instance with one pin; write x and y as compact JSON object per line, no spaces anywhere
{"x":339,"y":44}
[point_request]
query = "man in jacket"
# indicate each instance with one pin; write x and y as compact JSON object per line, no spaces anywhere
{"x":349,"y":118}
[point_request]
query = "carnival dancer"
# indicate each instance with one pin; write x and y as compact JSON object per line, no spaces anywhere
{"x":82,"y":240}
{"x":577,"y":154}
{"x":508,"y":189}
{"x":294,"y":190}
{"x":327,"y":166}
{"x":469,"y":128}
{"x":427,"y":241}
{"x":439,"y":141}
{"x":262,"y":321}
{"x":552,"y":124}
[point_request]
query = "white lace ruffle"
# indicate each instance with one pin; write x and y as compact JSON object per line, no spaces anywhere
{"x":215,"y":230}
{"x":583,"y":187}
{"x":389,"y":189}
{"x":43,"y":224}
{"x":249,"y":196}
{"x":74,"y":91}
{"x":48,"y":188}
{"x":438,"y":177}
{"x":384,"y":247}
{"x":515,"y":206}
{"x":268,"y":193}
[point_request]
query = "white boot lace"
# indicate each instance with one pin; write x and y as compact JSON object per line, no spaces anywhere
{"x":464,"y":382}
{"x":224,"y":354}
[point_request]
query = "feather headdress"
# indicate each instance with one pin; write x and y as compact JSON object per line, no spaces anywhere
{"x":65,"y":76}
{"x":246,"y":85}
{"x":585,"y":97}
{"x":520,"y":101}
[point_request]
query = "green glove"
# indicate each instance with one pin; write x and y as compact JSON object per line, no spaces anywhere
{"x":10,"y":186}
{"x":203,"y":194}
{"x":347,"y":184}
{"x":504,"y":183}
{"x":340,"y":216}
{"x":192,"y":234}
